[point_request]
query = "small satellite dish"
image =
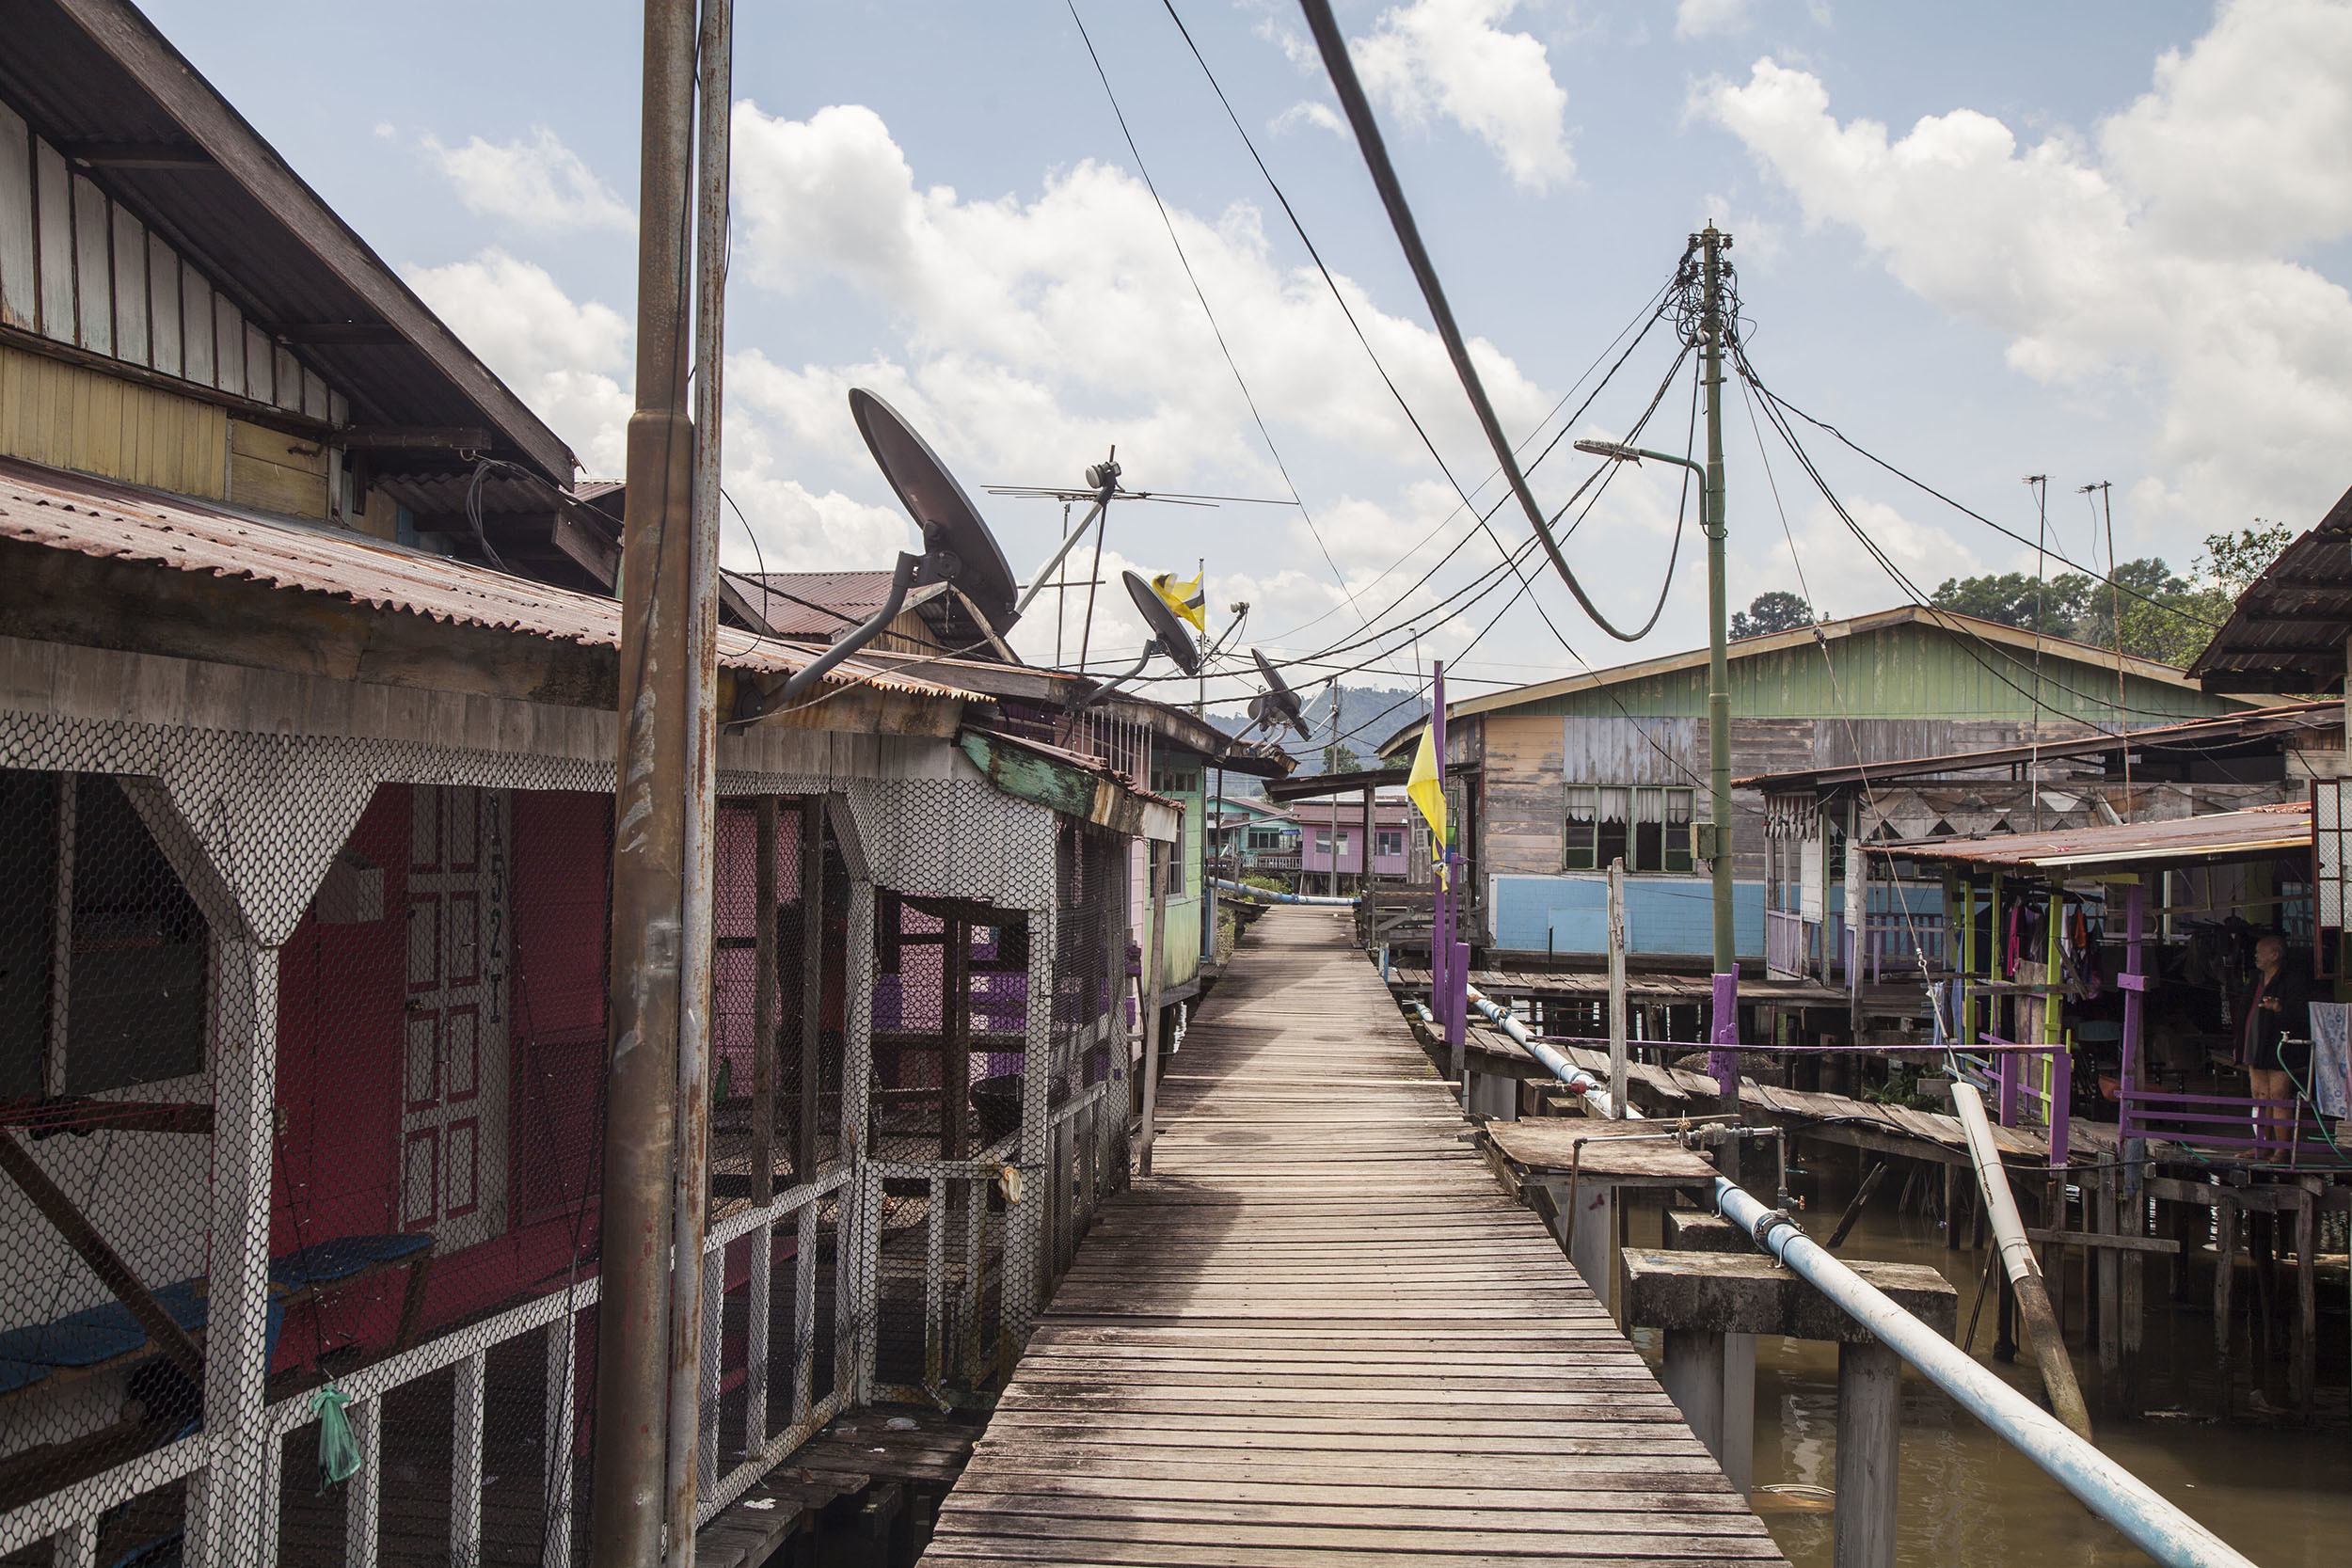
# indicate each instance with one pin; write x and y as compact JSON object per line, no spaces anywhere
{"x":1278,"y":705}
{"x":957,"y":545}
{"x":1166,"y":630}
{"x":1168,"y":637}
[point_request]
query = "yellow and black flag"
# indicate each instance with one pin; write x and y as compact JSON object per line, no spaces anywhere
{"x":1187,"y":599}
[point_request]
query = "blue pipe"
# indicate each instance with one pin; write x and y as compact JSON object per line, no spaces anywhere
{"x":1259,"y":895}
{"x":2105,"y":1487}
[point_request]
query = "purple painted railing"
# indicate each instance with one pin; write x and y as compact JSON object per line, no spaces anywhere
{"x":2226,"y":1121}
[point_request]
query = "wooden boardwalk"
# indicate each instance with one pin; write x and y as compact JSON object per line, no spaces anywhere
{"x":1318,"y":1337}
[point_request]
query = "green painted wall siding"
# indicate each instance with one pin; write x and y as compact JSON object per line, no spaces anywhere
{"x":1902,"y":671}
{"x":1180,"y":952}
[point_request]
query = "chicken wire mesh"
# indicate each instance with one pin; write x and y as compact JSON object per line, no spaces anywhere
{"x":302,"y":1049}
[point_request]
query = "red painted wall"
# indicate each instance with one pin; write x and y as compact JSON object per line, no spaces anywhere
{"x":341,"y":994}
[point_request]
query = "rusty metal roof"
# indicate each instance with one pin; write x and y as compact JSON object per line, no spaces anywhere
{"x":2288,"y":631}
{"x":819,"y":604}
{"x":98,"y":517}
{"x":2217,"y":732}
{"x":2257,"y":832}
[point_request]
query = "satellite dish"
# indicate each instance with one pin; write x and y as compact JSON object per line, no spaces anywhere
{"x":1278,"y":705}
{"x":1168,"y":637}
{"x":957,"y":545}
{"x":1166,"y":630}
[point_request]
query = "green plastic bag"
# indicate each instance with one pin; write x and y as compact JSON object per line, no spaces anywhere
{"x":338,"y":1448}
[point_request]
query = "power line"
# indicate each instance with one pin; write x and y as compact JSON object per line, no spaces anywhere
{"x":1333,"y":47}
{"x":1184,"y":260}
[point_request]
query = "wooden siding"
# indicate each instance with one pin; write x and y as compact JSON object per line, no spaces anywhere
{"x":72,"y":417}
{"x":276,"y":472}
{"x":79,"y":269}
{"x":1903,"y":672}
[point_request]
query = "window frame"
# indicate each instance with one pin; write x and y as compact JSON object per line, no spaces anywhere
{"x":1658,"y":827}
{"x":57,"y":1020}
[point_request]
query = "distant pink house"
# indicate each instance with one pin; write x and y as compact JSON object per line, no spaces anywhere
{"x":1390,"y":827}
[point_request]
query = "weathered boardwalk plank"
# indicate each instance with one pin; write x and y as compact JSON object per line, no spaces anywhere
{"x":1318,"y":1337}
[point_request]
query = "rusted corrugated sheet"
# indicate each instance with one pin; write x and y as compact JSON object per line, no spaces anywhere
{"x":2248,"y":834}
{"x":2288,"y":631}
{"x":71,"y":512}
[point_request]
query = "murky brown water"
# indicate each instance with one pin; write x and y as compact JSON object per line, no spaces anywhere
{"x":2278,"y":1490}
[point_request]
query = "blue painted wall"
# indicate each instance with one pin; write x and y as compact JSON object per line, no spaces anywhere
{"x":1673,"y":915}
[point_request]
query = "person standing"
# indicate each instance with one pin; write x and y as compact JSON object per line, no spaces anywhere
{"x":2274,"y":1043}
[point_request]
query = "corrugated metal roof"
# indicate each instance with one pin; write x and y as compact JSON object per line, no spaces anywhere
{"x":2220,"y":730}
{"x":2254,"y":833}
{"x":819,"y":604}
{"x":96,"y":518}
{"x":1998,"y":672}
{"x":2288,"y":630}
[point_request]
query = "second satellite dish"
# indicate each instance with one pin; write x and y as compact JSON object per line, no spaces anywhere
{"x":1168,"y":637}
{"x":1278,"y":705}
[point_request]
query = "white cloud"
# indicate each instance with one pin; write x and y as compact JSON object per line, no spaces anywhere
{"x":1451,"y":57}
{"x":562,"y":358}
{"x":2139,"y":261}
{"x":1698,"y":19}
{"x":1038,"y":333}
{"x":1308,"y":111}
{"x":537,"y":182}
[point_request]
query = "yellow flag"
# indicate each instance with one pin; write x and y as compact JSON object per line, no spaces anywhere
{"x":1187,"y":599}
{"x":1426,"y":785}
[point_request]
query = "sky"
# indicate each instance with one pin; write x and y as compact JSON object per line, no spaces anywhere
{"x":2103,"y":241}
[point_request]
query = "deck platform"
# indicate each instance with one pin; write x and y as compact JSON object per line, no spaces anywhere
{"x":1319,"y":1336}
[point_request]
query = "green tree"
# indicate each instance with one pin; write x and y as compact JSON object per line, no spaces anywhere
{"x":1778,"y":610}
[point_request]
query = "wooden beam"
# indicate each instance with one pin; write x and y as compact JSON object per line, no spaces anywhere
{"x":2101,"y":1239}
{"x":382,"y":438}
{"x":337,"y":334}
{"x":244,"y":409}
{"x":599,"y":558}
{"x":136,"y":154}
{"x":112,"y":1272}
{"x":80,"y":1113}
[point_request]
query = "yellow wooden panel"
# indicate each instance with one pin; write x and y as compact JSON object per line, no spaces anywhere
{"x":273,"y":446}
{"x":273,"y":488}
{"x":73,"y":416}
{"x":380,"y":518}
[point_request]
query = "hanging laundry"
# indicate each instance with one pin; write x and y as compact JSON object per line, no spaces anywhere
{"x":2332,"y":1059}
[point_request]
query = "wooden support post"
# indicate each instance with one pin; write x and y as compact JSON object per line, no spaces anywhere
{"x":813,"y":814}
{"x":2225,"y":1234}
{"x":465,"y":1462}
{"x":1951,"y":1207}
{"x":767,"y":1002}
{"x":230,"y":1497}
{"x":1869,"y":1390}
{"x":1156,"y":879}
{"x":955,"y":1057}
{"x":1617,"y":988}
{"x":556,"y":1537}
{"x":2304,"y":1368}
{"x":1694,"y":1378}
{"x":2104,"y":1221}
{"x":1854,"y":1206}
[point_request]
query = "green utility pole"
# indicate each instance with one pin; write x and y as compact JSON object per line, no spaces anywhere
{"x":1724,"y":1031}
{"x":1723,"y":1024}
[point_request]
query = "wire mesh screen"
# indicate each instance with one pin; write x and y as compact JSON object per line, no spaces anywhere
{"x":950,"y":1009}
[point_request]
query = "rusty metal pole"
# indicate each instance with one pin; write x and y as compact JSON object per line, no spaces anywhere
{"x":626,"y":1495}
{"x":691,"y":1315}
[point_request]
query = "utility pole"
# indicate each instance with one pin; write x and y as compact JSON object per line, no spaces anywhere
{"x":2040,"y":483}
{"x":662,"y":676}
{"x":1723,"y":1032}
{"x":2106,"y":492}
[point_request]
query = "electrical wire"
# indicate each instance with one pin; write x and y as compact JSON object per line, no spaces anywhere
{"x":1333,"y":47}
{"x":1185,"y":262}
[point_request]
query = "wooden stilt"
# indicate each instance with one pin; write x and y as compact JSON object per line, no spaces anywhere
{"x":2305,"y":1368}
{"x":1870,"y":1386}
{"x":2225,"y":1231}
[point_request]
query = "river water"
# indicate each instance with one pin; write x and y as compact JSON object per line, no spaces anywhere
{"x":2278,"y":1490}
